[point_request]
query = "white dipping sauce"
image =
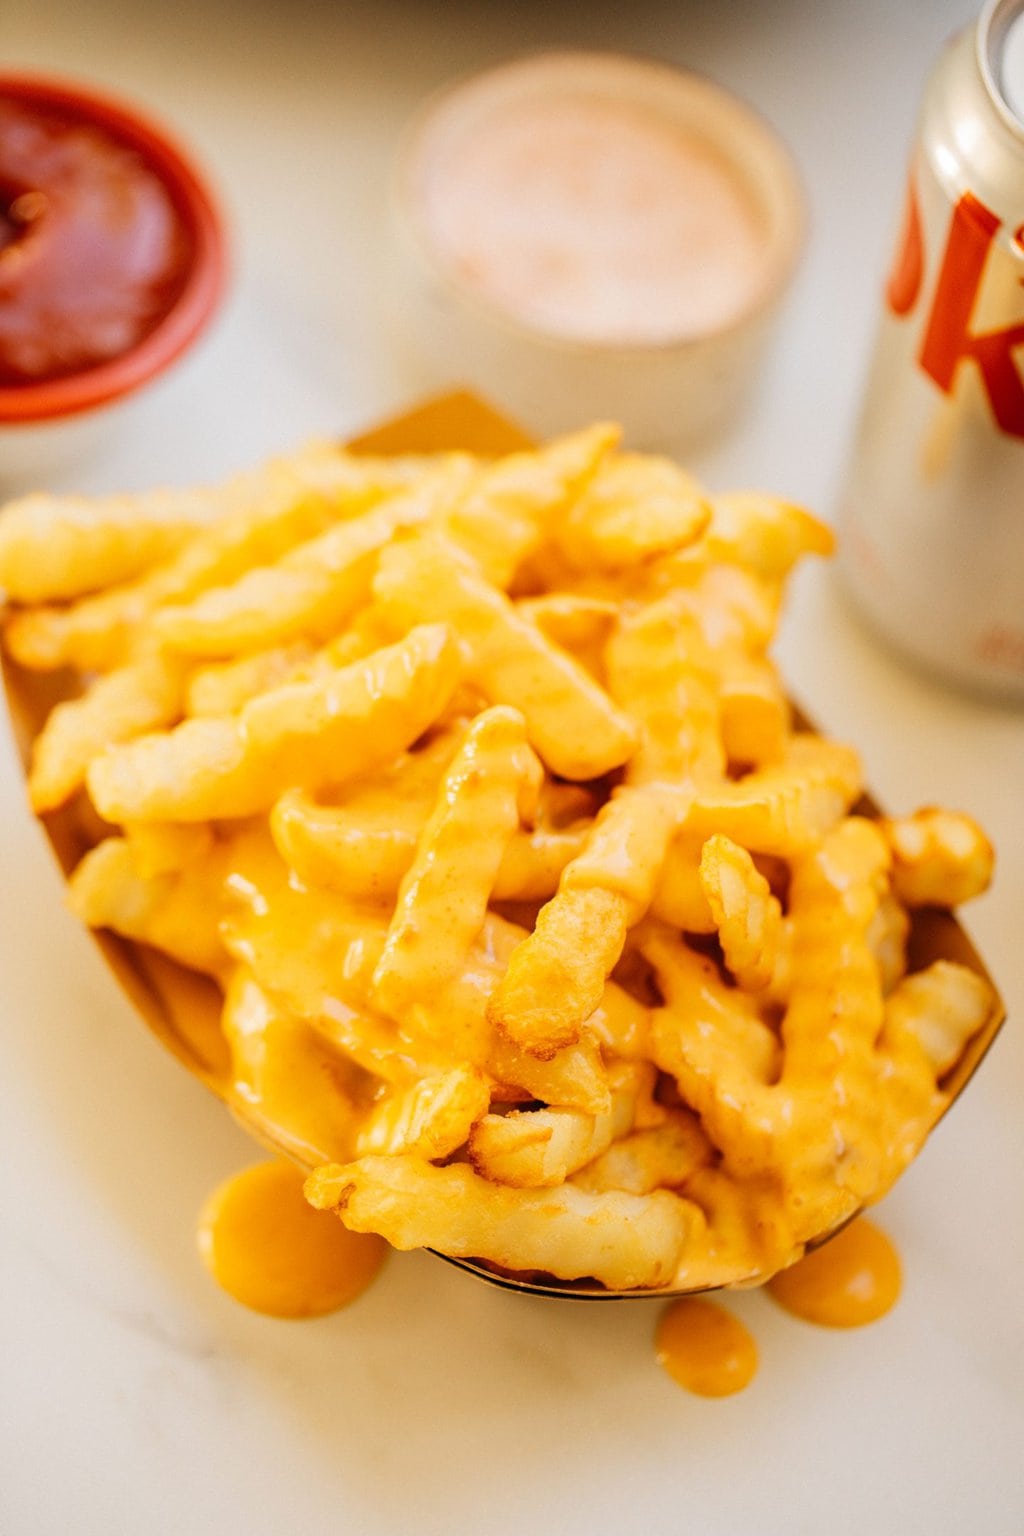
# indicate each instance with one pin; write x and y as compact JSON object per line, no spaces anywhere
{"x":596,"y":219}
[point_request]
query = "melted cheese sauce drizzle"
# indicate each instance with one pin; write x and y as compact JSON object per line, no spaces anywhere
{"x":705,"y":1348}
{"x":273,"y":1252}
{"x":851,"y":1280}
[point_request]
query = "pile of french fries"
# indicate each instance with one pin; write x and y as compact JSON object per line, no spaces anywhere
{"x":544,"y":935}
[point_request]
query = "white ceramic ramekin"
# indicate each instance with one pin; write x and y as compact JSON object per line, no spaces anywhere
{"x":668,"y":393}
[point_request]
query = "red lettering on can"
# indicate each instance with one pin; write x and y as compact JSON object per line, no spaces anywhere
{"x":904,"y":282}
{"x":949,"y":340}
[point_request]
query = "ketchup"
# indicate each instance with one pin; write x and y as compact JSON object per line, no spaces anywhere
{"x":93,"y":250}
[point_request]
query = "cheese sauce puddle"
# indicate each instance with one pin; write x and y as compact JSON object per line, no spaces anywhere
{"x":704,"y":1348}
{"x":274,"y":1253}
{"x":271,"y":1251}
{"x":851,"y":1280}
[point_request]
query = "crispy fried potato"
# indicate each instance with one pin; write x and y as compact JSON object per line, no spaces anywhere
{"x":636,"y":508}
{"x":538,"y":1148}
{"x":53,"y":548}
{"x":556,"y":977}
{"x":942,"y":1007}
{"x":746,"y":914}
{"x":572,"y":724}
{"x":940,"y":858}
{"x":431,"y":1119}
{"x":491,"y":786}
{"x":338,"y":726}
{"x":622,"y":1241}
{"x":117,"y":708}
{"x":502,"y":516}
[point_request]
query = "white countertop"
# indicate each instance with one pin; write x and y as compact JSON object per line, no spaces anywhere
{"x":134,"y":1397}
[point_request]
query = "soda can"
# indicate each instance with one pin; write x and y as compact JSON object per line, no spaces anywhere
{"x":931,"y":516}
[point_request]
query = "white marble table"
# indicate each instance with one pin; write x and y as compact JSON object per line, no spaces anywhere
{"x":134,"y":1397}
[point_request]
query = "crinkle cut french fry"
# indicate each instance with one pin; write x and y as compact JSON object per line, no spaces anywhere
{"x":222,"y":687}
{"x":712,"y":1040}
{"x":621,"y":1240}
{"x":53,"y":548}
{"x":887,"y":937}
{"x":177,"y":912}
{"x":783,"y":808}
{"x":636,"y":508}
{"x":311,"y":590}
{"x":658,"y":669}
{"x":118,"y":707}
{"x":572,"y":723}
{"x":504,"y":514}
{"x":747,"y":915}
{"x":755,"y":716}
{"x":940,"y":858}
{"x":763,"y":533}
{"x":538,"y":1148}
{"x":657,"y":1157}
{"x":556,"y":976}
{"x":942,"y":1008}
{"x":430,"y":1119}
{"x":337,"y":726}
{"x":577,"y":624}
{"x":364,"y":847}
{"x":262,"y":515}
{"x":492,"y":784}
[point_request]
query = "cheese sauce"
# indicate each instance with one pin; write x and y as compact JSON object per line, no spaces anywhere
{"x":851,"y":1280}
{"x":705,"y":1348}
{"x":273,"y":1252}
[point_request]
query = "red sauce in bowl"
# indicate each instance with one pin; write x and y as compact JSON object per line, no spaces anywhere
{"x":111,"y":250}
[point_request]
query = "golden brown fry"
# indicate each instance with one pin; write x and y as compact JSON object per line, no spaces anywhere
{"x":491,"y":785}
{"x":763,"y":533}
{"x":53,"y":548}
{"x":746,"y":914}
{"x":572,"y":724}
{"x":431,"y":1119}
{"x":312,"y":589}
{"x":177,"y":912}
{"x":336,"y":727}
{"x":658,"y":668}
{"x":940,"y":858}
{"x":223,"y":687}
{"x":942,"y":1008}
{"x":542,"y":1147}
{"x":620,"y":1240}
{"x":556,"y":977}
{"x":636,"y":508}
{"x":505,"y":513}
{"x":119,"y":707}
{"x":260,"y":516}
{"x":657,"y":1157}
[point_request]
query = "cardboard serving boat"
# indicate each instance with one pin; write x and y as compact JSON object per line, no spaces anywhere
{"x":182,"y":1008}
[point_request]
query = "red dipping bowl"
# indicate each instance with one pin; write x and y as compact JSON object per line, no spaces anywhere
{"x":52,"y":128}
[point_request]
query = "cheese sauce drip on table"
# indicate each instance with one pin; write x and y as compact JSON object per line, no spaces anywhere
{"x":851,"y":1280}
{"x":705,"y":1348}
{"x":273,"y":1252}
